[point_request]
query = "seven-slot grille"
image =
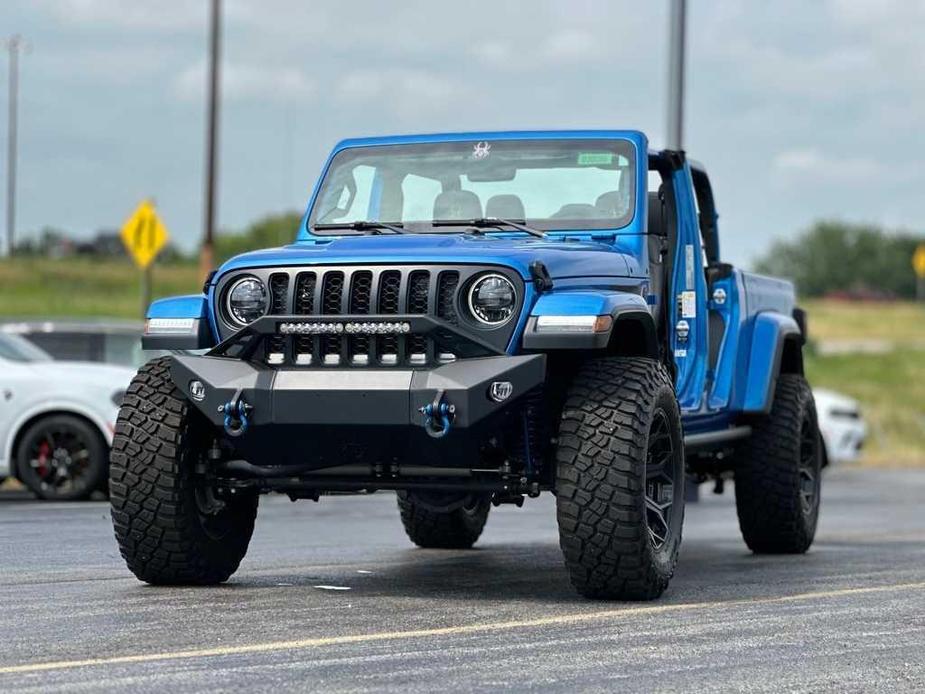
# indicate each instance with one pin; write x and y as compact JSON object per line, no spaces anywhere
{"x":361,"y":292}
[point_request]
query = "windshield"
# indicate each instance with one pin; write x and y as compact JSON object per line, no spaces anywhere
{"x":16,"y":348}
{"x":547,"y":184}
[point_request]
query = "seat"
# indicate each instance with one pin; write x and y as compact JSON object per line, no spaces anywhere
{"x":611,"y":204}
{"x":457,"y":204}
{"x":505,"y":207}
{"x":657,"y":225}
{"x":576,"y":210}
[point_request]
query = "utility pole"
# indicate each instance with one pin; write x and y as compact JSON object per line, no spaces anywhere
{"x":677,"y":28}
{"x":14,"y":45}
{"x":676,"y":46}
{"x":206,"y":256}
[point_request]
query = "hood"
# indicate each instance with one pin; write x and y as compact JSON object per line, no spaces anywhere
{"x":91,"y":373}
{"x":563,"y":258}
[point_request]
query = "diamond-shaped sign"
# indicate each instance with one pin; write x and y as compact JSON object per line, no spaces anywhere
{"x":144,"y":234}
{"x":918,"y":261}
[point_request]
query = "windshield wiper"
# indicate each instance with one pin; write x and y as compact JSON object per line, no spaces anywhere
{"x":370,"y":227}
{"x":483,"y":222}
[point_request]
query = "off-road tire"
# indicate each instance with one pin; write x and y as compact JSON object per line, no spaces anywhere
{"x":92,"y":478}
{"x":457,"y":528}
{"x":769,"y":480}
{"x":164,"y":535}
{"x":601,"y":461}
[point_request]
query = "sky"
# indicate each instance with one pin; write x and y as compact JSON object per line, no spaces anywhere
{"x":799,"y":110}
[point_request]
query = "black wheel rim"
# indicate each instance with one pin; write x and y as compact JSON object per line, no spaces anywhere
{"x":809,"y":466}
{"x":60,"y":459}
{"x":660,"y":480}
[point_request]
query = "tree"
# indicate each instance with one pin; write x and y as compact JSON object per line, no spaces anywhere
{"x":267,"y":232}
{"x":836,"y":256}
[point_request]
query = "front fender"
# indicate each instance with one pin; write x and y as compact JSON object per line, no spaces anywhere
{"x":178,"y":322}
{"x":623,"y":307}
{"x":770,"y":330}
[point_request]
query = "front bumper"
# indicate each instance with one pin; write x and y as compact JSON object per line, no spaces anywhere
{"x":354,"y":397}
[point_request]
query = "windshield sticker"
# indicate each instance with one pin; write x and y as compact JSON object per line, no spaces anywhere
{"x":595,"y":158}
{"x":481,"y":150}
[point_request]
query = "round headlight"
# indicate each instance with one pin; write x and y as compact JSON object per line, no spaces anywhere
{"x":492,"y":299}
{"x":247,"y":300}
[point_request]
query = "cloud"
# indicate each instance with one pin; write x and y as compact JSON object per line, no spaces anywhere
{"x":403,"y":91}
{"x":130,"y":14}
{"x":810,"y":164}
{"x":242,"y":82}
{"x":562,"y":48}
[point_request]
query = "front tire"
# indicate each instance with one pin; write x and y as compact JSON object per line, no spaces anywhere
{"x":436,"y":524}
{"x":620,"y":479}
{"x":778,"y":474}
{"x":170,"y":528}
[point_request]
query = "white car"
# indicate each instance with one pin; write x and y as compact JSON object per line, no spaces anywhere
{"x":841,"y":424}
{"x":56,"y":419}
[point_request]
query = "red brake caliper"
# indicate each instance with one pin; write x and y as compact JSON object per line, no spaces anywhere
{"x":42,"y":468}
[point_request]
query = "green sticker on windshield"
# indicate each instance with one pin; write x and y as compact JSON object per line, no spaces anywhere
{"x":595,"y":158}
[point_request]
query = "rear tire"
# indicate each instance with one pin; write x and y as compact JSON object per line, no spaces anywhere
{"x":166,"y":522}
{"x":457,"y":527}
{"x":620,"y":479}
{"x":777,"y":477}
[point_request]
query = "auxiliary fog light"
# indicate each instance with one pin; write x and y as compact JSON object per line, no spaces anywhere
{"x":573,"y":324}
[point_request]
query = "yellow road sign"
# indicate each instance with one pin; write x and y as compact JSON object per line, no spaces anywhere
{"x":144,"y":234}
{"x":918,"y":261}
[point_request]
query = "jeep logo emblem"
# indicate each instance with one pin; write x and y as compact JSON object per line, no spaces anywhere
{"x":500,"y":390}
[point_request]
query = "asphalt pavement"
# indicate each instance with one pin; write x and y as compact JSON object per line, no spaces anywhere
{"x":332,"y":597}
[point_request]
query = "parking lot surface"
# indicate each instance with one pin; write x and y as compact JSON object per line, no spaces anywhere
{"x":333,"y":597}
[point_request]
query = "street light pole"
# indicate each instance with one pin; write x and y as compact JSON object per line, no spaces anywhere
{"x":206,"y":257}
{"x":676,"y":41}
{"x":14,"y":45}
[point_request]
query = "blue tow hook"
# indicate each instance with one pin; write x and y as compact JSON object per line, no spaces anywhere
{"x":438,"y":417}
{"x":236,"y":415}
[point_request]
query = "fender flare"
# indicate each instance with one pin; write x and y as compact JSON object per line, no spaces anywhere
{"x":192,"y":307}
{"x":49,"y":407}
{"x":769,"y":335}
{"x":624,"y":307}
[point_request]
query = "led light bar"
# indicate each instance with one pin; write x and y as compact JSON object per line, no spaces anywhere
{"x":573,"y":324}
{"x":170,"y":326}
{"x":352,"y":328}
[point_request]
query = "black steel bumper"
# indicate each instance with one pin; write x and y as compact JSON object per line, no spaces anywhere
{"x":353,"y":397}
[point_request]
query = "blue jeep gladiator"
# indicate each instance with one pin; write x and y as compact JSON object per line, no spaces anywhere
{"x":468,"y":320}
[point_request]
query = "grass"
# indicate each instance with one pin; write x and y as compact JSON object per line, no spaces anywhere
{"x":889,"y":385}
{"x":82,"y":288}
{"x":891,"y":390}
{"x":900,"y":322}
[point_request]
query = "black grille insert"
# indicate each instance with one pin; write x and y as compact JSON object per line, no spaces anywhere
{"x":377,"y":294}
